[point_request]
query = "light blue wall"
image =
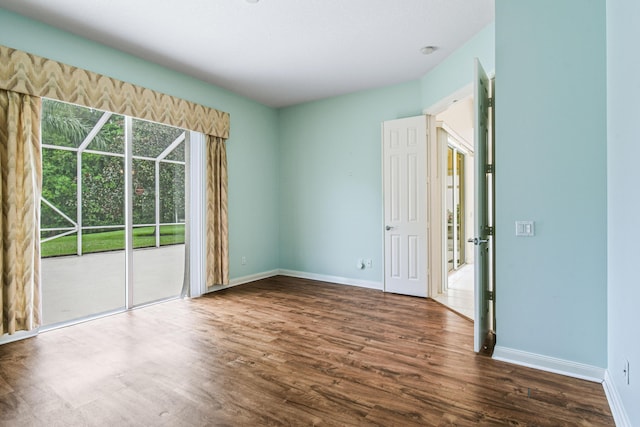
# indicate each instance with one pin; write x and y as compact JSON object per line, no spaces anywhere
{"x":623,"y":93}
{"x":331,"y":167}
{"x":252,"y":146}
{"x":331,"y":180}
{"x":551,"y":168}
{"x":456,"y":71}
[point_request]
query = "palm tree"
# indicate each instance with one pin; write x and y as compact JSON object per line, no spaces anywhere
{"x":63,"y":125}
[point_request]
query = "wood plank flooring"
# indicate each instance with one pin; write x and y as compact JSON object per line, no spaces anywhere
{"x":282,"y":351}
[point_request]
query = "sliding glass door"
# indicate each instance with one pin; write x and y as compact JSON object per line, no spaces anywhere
{"x":82,"y":212}
{"x":455,"y":209}
{"x":113,"y":212}
{"x":158,"y":208}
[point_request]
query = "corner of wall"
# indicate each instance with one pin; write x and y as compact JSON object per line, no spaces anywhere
{"x":615,"y":402}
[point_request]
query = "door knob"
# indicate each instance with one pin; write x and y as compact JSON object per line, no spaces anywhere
{"x":477,"y":241}
{"x":388,"y":227}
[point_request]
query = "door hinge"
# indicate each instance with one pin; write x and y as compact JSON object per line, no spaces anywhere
{"x":489,"y":230}
{"x":490,"y":100}
{"x":488,"y":169}
{"x":490,"y":296}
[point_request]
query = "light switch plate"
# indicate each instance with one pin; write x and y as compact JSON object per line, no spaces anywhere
{"x":525,"y":228}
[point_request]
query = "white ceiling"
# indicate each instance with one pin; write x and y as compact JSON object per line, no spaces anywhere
{"x":277,"y":52}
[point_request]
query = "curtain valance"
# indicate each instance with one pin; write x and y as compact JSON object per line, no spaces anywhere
{"x":33,"y":75}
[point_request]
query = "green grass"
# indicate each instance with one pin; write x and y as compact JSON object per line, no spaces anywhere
{"x":112,"y":240}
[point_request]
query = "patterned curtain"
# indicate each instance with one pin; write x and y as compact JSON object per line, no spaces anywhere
{"x":217,"y":231}
{"x":20,"y":187}
{"x":34,"y":75}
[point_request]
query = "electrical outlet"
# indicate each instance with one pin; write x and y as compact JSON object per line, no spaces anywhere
{"x":369,"y":263}
{"x":244,"y":260}
{"x":627,"y":372}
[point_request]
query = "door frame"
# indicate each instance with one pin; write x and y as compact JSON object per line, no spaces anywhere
{"x":436,"y":175}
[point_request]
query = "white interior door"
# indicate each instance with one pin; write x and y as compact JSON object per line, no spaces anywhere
{"x":482,"y":238}
{"x":405,"y":206}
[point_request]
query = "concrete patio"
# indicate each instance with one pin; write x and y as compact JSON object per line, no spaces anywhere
{"x":75,"y":287}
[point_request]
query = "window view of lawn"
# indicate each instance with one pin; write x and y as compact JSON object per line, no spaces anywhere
{"x":83,"y":162}
{"x":113,"y":240}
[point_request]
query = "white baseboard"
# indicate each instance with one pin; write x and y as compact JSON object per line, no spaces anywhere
{"x":299,"y":274}
{"x":615,"y":403}
{"x":253,"y":277}
{"x":20,"y":335}
{"x":333,"y":279}
{"x":244,"y":279}
{"x":549,"y":364}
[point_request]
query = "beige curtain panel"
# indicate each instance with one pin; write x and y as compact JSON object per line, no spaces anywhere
{"x":20,"y":188}
{"x":33,"y":75}
{"x":217,"y":220}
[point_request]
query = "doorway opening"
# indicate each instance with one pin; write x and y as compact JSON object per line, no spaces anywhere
{"x":454,"y":127}
{"x":417,"y":172}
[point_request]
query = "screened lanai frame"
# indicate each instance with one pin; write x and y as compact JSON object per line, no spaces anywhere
{"x":77,"y":225}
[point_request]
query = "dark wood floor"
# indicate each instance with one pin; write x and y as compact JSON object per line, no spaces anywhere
{"x":282,"y":351}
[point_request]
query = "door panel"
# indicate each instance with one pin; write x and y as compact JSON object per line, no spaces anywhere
{"x":405,"y":213}
{"x":158,"y":190}
{"x":481,"y":191}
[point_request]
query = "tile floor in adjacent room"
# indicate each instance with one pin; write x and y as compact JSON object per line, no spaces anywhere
{"x":459,"y":295}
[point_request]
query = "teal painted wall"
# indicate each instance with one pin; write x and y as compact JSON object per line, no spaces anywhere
{"x":551,"y":168}
{"x":456,"y":71}
{"x":331,"y":180}
{"x":252,"y":146}
{"x":331,"y":167}
{"x":623,"y":111}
